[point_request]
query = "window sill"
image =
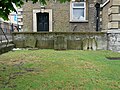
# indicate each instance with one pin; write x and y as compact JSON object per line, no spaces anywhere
{"x":84,"y":21}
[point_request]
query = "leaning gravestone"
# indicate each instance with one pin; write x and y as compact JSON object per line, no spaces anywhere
{"x":18,"y":40}
{"x":30,"y":41}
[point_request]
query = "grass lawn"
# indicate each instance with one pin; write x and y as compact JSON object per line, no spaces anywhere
{"x":59,"y":70}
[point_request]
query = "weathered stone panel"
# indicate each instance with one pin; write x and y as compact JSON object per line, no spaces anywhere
{"x":45,"y":44}
{"x":74,"y":44}
{"x":62,"y":40}
{"x":19,"y":40}
{"x":114,"y":41}
{"x":30,"y":41}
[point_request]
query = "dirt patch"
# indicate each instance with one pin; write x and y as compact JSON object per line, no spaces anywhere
{"x":8,"y":75}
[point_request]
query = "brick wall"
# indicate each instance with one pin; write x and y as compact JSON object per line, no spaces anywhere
{"x":60,"y":17}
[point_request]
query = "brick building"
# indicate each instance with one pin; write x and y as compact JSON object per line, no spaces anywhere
{"x":74,"y":16}
{"x":71,"y":16}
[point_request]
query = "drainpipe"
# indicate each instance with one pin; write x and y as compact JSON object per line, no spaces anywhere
{"x":97,"y":5}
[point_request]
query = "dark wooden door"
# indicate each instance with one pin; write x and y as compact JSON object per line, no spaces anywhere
{"x":42,"y":22}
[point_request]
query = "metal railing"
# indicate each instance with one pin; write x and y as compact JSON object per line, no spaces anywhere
{"x":5,"y":35}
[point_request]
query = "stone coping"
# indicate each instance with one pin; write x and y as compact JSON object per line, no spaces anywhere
{"x":112,"y":31}
{"x":59,"y":33}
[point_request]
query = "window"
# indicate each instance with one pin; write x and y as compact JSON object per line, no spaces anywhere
{"x":78,"y":10}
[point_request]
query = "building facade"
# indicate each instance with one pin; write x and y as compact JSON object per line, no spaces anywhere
{"x":74,"y":16}
{"x":111,"y":16}
{"x":78,"y":16}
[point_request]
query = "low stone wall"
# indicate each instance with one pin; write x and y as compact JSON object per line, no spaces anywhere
{"x":61,"y":40}
{"x":114,"y":41}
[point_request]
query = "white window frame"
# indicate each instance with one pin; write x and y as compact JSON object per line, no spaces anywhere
{"x":73,"y":7}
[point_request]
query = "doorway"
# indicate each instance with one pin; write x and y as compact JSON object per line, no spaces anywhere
{"x":42,"y":21}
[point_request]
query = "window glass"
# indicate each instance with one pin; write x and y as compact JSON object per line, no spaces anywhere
{"x":78,"y":14}
{"x":81,"y":0}
{"x":78,"y":4}
{"x":78,"y":11}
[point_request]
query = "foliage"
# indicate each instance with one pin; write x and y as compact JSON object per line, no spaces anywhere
{"x":64,"y":70}
{"x":6,"y":6}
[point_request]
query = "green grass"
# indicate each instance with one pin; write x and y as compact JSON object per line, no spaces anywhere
{"x":59,"y":70}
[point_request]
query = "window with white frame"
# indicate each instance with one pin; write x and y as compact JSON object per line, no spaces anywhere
{"x":78,"y":10}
